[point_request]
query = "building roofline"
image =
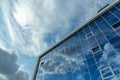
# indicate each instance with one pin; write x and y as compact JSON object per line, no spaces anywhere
{"x":81,"y":27}
{"x":76,"y":30}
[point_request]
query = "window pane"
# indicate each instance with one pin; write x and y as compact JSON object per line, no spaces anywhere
{"x":117,"y":13}
{"x":84,"y":42}
{"x":85,"y":75}
{"x":96,"y":31}
{"x":113,"y":20}
{"x":116,"y":25}
{"x":95,"y":49}
{"x":114,"y":40}
{"x":92,"y":41}
{"x":77,"y":75}
{"x":118,"y":6}
{"x":88,"y":34}
{"x":104,"y":27}
{"x":116,"y":68}
{"x":103,"y":64}
{"x":107,"y":15}
{"x":90,"y":61}
{"x":77,"y":42}
{"x":118,"y":30}
{"x":111,"y":35}
{"x":102,"y":41}
{"x":83,"y":65}
{"x":94,"y":73}
{"x":86,"y":30}
{"x":113,"y":10}
{"x":106,"y":73}
{"x":99,"y":20}
{"x":98,"y":56}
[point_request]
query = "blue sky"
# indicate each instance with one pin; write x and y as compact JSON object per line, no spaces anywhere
{"x":28,"y":28}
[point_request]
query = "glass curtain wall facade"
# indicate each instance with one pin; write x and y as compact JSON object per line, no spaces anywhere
{"x":90,"y":53}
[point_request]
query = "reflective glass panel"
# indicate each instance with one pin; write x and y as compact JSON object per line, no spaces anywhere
{"x":91,"y":53}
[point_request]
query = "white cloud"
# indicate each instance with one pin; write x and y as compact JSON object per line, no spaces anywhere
{"x":11,"y":35}
{"x":2,"y":77}
{"x":57,"y":62}
{"x":23,"y":13}
{"x":112,"y":59}
{"x":30,"y":23}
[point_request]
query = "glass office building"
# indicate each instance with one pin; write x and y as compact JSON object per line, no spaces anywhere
{"x":91,"y":52}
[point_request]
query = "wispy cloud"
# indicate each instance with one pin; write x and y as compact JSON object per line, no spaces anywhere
{"x":10,"y":33}
{"x":30,"y":27}
{"x":45,"y":22}
{"x":36,"y":25}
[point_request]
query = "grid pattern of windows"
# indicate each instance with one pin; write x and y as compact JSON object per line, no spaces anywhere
{"x":93,"y":53}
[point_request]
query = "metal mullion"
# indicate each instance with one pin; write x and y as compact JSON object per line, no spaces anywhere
{"x":111,"y":47}
{"x":91,"y":51}
{"x":105,"y":36}
{"x":85,"y":58}
{"x":98,"y":51}
{"x":114,"y":13}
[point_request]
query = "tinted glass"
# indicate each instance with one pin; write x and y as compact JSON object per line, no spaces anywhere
{"x":92,"y":53}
